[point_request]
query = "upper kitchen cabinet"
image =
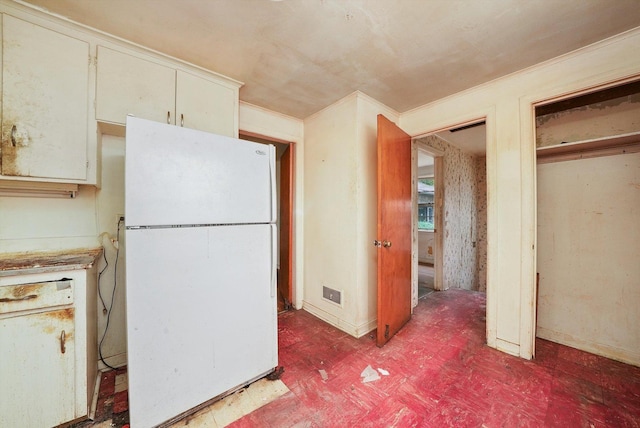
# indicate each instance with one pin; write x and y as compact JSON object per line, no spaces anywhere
{"x":45,"y":99}
{"x":206,"y":105}
{"x":129,"y":84}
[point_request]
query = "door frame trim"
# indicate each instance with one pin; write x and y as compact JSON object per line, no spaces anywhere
{"x":293,"y":291}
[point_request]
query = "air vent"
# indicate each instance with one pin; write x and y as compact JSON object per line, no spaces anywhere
{"x":462,"y":128}
{"x":332,"y":295}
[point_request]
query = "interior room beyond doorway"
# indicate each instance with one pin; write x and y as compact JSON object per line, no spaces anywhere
{"x":284,"y":186}
{"x":463,"y":226}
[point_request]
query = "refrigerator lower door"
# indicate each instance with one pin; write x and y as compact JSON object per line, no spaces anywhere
{"x":201,"y":315}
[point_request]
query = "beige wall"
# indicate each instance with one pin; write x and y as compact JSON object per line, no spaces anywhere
{"x":506,"y":104}
{"x":340,"y":211}
{"x":110,"y":204}
{"x":37,"y":224}
{"x":588,"y":255}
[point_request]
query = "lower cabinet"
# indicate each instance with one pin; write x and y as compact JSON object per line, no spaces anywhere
{"x":37,"y":369}
{"x":48,"y":347}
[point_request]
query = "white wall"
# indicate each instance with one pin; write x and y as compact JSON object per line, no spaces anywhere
{"x":589,"y":253}
{"x":506,"y":104}
{"x":40,"y":224}
{"x":426,"y":246}
{"x":341,"y":205}
{"x":110,"y":205}
{"x":330,"y":212}
{"x":46,"y":224}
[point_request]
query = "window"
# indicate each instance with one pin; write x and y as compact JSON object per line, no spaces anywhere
{"x":425,"y":204}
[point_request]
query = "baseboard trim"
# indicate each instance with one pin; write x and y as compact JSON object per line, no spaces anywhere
{"x":349,"y":328}
{"x":612,"y":352}
{"x":94,"y":398}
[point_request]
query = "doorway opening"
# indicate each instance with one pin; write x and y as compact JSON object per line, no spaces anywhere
{"x":455,"y":251}
{"x":587,"y":161}
{"x":426,"y":222}
{"x":456,"y":174}
{"x":285,"y":153}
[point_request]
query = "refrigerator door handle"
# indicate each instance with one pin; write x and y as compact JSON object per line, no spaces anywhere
{"x":274,"y":192}
{"x":274,"y":259}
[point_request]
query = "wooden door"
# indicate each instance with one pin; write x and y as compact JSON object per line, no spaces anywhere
{"x":394,"y":229}
{"x":286,"y":232}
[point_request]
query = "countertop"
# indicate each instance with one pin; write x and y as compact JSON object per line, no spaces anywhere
{"x":48,"y":261}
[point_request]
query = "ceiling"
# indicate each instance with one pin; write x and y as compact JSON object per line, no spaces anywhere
{"x":472,"y":140}
{"x":299,"y":56}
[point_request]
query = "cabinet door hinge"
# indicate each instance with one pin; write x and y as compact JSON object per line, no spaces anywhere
{"x":93,"y":60}
{"x":87,"y":164}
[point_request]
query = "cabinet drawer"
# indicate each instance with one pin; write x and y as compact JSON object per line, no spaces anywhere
{"x":35,"y":295}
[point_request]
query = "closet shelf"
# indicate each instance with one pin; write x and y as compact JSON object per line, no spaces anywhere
{"x":605,"y":146}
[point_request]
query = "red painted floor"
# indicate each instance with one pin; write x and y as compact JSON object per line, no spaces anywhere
{"x":440,"y":375}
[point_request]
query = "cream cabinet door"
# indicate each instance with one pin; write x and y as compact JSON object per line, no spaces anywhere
{"x":37,"y":387}
{"x":205,"y":105}
{"x":45,"y":94}
{"x":130,"y":85}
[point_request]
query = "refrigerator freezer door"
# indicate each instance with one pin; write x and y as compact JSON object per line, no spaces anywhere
{"x":180,"y":176}
{"x":201,"y":319}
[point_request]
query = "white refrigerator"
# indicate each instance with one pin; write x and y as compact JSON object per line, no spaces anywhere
{"x":200,"y":213}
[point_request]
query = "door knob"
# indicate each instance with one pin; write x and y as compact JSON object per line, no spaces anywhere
{"x":386,"y":244}
{"x":377,"y":243}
